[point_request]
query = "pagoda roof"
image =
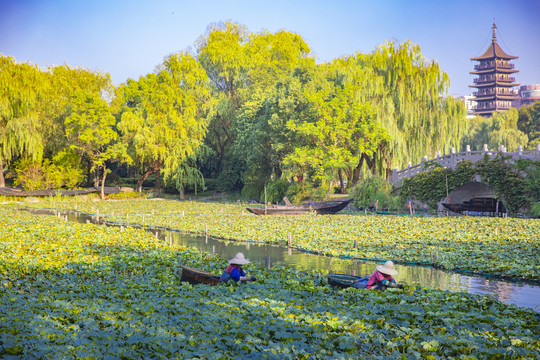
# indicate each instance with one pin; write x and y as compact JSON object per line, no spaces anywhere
{"x":494,"y":50}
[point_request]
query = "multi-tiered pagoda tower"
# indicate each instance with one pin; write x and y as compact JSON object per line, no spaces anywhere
{"x":494,"y":83}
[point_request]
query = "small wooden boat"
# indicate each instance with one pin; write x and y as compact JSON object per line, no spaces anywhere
{"x":480,"y":205}
{"x":322,"y":208}
{"x":344,"y":280}
{"x":196,"y":276}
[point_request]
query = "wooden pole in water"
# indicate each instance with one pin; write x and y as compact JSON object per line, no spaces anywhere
{"x":355,"y":243}
{"x":289,"y":241}
{"x":431,"y":256}
{"x":265,"y":200}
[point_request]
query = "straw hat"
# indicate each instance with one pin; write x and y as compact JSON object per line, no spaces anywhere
{"x":239,"y":259}
{"x":387,"y":268}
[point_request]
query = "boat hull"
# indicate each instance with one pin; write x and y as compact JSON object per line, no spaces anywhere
{"x":477,"y":205}
{"x":323,"y":208}
{"x":343,"y":280}
{"x":196,"y":276}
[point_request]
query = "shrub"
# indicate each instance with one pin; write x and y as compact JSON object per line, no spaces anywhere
{"x":252,"y":191}
{"x":374,"y":188}
{"x":127,"y":195}
{"x":61,"y":172}
{"x":275,"y":191}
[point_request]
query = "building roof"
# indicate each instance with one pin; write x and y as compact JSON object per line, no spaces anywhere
{"x":494,"y":50}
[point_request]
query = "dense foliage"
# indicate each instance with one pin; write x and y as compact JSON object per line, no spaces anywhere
{"x":260,"y":104}
{"x":506,"y":247}
{"x":87,"y":291}
{"x":529,"y":122}
{"x":499,"y":129}
{"x":375,"y":190}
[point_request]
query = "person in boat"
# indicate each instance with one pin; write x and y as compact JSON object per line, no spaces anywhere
{"x":382,"y":278}
{"x":234,"y":271}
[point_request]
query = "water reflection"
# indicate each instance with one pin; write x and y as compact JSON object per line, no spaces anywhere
{"x":263,"y":255}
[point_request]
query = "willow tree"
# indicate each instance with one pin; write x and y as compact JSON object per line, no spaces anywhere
{"x":499,"y":129}
{"x":407,"y":93}
{"x":21,"y":90}
{"x":165,"y":116}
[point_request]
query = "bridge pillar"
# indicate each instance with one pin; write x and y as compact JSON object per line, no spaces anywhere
{"x":452,"y":158}
{"x":537,"y":153}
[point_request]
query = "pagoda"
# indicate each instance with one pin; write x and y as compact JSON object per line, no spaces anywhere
{"x":494,"y":83}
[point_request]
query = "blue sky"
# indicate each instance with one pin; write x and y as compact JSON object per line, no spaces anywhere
{"x":129,"y":38}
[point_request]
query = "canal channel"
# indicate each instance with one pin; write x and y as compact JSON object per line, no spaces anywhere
{"x":264,"y":255}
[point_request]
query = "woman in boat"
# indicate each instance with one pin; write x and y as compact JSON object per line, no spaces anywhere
{"x":382,"y":277}
{"x":234,"y":271}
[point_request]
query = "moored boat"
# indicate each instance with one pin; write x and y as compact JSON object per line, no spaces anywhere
{"x":196,"y":276}
{"x":478,"y":205}
{"x":321,"y":208}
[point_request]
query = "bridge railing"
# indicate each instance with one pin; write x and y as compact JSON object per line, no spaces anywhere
{"x":451,"y":160}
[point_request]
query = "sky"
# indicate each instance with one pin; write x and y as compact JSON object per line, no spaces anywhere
{"x":128,"y":39}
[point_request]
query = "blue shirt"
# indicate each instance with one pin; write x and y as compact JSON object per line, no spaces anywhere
{"x":232,"y":272}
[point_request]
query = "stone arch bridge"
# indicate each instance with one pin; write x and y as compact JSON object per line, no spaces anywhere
{"x":451,"y":160}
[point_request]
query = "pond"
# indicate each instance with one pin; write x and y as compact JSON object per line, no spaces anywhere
{"x":263,"y":255}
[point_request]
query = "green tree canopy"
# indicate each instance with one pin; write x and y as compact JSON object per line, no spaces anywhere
{"x":164,"y":119}
{"x":529,"y":123}
{"x":90,"y":130}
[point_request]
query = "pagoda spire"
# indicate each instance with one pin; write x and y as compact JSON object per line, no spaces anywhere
{"x":495,"y":82}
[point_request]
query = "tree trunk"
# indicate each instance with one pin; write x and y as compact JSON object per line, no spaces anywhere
{"x":182,"y":195}
{"x":356,"y":172}
{"x":143,"y":178}
{"x":158,"y":182}
{"x":103,"y":183}
{"x":2,"y":180}
{"x":278,"y":172}
{"x":330,"y":187}
{"x":341,"y":182}
{"x":370,"y":162}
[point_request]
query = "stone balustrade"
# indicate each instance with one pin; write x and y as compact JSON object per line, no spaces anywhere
{"x":451,"y":160}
